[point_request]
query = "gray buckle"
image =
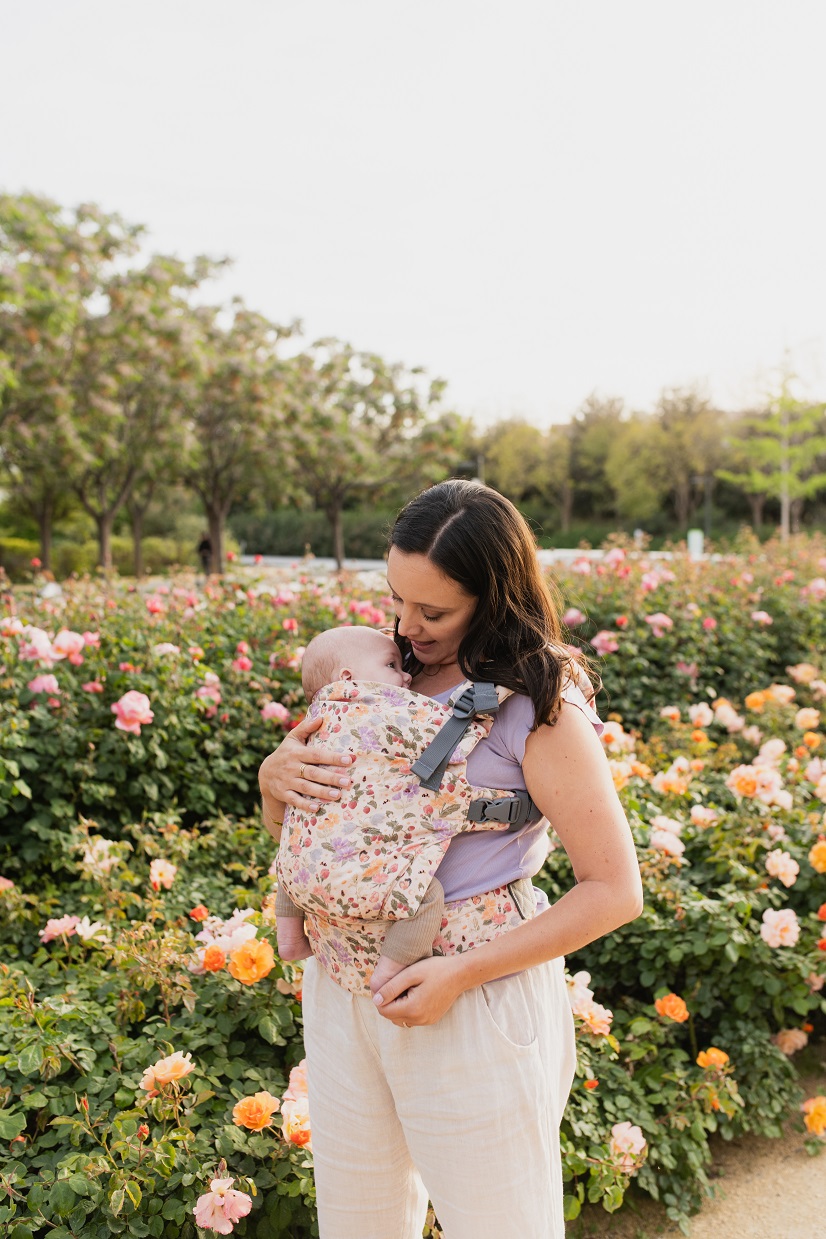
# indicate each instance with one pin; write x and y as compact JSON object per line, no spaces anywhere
{"x":515,"y":809}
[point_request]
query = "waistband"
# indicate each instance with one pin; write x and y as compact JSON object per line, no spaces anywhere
{"x":348,"y":949}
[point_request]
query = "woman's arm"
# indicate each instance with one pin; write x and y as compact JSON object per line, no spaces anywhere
{"x":299,"y":774}
{"x":569,"y":778}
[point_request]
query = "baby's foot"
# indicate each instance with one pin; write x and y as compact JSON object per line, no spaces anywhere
{"x":383,"y":972}
{"x":293,"y":943}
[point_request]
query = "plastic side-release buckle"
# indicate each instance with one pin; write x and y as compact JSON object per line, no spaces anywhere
{"x":516,"y":810}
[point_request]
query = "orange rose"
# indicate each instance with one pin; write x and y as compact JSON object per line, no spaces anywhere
{"x":252,"y":961}
{"x":590,"y":1084}
{"x":698,"y":736}
{"x":821,"y":912}
{"x":755,"y":702}
{"x":640,"y":769}
{"x":811,"y":739}
{"x":255,"y":1112}
{"x":200,"y":913}
{"x":214,"y":959}
{"x":817,"y":856}
{"x":712,"y":1057}
{"x":814,"y":1115}
{"x":167,"y":1070}
{"x":672,"y":1007}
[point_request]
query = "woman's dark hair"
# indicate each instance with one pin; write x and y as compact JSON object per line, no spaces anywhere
{"x":478,"y":538}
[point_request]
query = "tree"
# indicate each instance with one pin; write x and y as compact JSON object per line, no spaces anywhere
{"x":593,"y":430}
{"x":235,"y":413}
{"x":692,"y":444}
{"x":52,"y":266}
{"x":515,"y":459}
{"x":134,"y":369}
{"x":780,"y":453}
{"x":360,"y":427}
{"x":636,"y":468}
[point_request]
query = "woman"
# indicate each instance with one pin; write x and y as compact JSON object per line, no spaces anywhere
{"x":452,"y":1081}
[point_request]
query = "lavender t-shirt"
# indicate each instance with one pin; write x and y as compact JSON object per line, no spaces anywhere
{"x":481,"y":861}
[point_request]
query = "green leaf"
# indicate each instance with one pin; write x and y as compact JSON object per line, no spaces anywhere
{"x":62,"y":1199}
{"x":116,"y":1200}
{"x":29,"y":1059}
{"x":572,"y":1208}
{"x":11,"y":1125}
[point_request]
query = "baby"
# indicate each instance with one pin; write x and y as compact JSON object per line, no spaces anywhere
{"x":373,"y":853}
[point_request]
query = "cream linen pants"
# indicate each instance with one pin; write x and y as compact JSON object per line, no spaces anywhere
{"x":465,"y":1111}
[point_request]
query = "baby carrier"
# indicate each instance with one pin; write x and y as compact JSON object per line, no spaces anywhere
{"x":372,"y":854}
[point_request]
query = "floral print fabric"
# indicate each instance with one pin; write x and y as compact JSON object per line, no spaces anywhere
{"x":371,"y":855}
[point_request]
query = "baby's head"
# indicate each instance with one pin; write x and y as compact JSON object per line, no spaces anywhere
{"x":351,"y":653}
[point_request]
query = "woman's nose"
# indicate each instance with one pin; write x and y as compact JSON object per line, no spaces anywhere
{"x":406,"y":624}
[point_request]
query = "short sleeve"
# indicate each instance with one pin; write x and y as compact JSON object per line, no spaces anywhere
{"x":573,"y":694}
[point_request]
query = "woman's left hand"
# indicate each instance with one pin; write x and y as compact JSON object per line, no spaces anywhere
{"x":420,"y":993}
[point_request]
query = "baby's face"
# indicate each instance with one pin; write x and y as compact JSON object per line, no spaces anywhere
{"x":378,"y":658}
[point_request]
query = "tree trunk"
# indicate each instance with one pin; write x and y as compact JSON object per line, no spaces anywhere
{"x":337,"y":524}
{"x":795,"y":513}
{"x":215,"y":521}
{"x":136,"y":515}
{"x":682,"y":504}
{"x":44,"y":522}
{"x":104,"y":522}
{"x":566,"y":505}
{"x":757,"y":503}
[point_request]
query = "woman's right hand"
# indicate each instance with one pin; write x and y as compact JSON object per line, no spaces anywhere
{"x":299,"y":774}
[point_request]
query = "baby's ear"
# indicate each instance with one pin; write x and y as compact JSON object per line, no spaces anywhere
{"x":345,"y":674}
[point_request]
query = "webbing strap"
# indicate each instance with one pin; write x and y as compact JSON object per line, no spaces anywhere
{"x":476,"y":699}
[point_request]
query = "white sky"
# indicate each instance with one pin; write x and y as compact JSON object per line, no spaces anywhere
{"x":533,"y":199}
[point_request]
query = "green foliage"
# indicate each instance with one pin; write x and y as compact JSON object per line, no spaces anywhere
{"x":87,"y":808}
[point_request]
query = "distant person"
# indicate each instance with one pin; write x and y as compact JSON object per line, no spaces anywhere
{"x":205,"y":553}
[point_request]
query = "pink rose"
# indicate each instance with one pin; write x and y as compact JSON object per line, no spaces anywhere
{"x":780,"y":865}
{"x":222,"y":1206}
{"x":36,"y":646}
{"x":92,"y":686}
{"x":132,"y":712}
{"x":660,"y":623}
{"x":709,"y":623}
{"x":274,"y":709}
{"x":605,"y":642}
{"x":92,"y":640}
{"x":573,"y":617}
{"x":69,"y":645}
{"x":242,"y":663}
{"x":780,"y":928}
{"x":59,"y":927}
{"x":761,"y":617}
{"x":44,"y":684}
{"x":155,"y":605}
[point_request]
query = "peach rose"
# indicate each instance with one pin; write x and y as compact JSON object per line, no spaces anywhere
{"x":790,"y":1040}
{"x":672,"y":1007}
{"x":255,"y":1113}
{"x":213,"y":959}
{"x":626,"y":1144}
{"x":743,"y":781}
{"x":814,"y":1115}
{"x":712,"y":1057}
{"x":166,"y":1070}
{"x":780,"y":865}
{"x":817,"y":856}
{"x":783,"y":694}
{"x":252,"y":961}
{"x":802,"y":673}
{"x":780,"y":928}
{"x":162,"y":873}
{"x":755,"y":702}
{"x":297,"y":1085}
{"x":296,"y":1125}
{"x":807,"y":719}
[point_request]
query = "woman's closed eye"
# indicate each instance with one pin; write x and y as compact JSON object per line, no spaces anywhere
{"x":431,"y":619}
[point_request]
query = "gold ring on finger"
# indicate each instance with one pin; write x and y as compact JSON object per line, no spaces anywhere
{"x":301,"y":770}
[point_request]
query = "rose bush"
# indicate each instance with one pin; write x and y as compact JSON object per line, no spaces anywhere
{"x":152,"y":1037}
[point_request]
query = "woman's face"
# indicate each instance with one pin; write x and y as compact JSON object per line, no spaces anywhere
{"x":434,"y":610}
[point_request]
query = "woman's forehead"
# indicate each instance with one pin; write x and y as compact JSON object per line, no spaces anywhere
{"x":417,"y":580}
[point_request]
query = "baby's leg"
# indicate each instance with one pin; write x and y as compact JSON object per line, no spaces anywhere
{"x":289,"y":927}
{"x":411,"y":939}
{"x":293,"y":943}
